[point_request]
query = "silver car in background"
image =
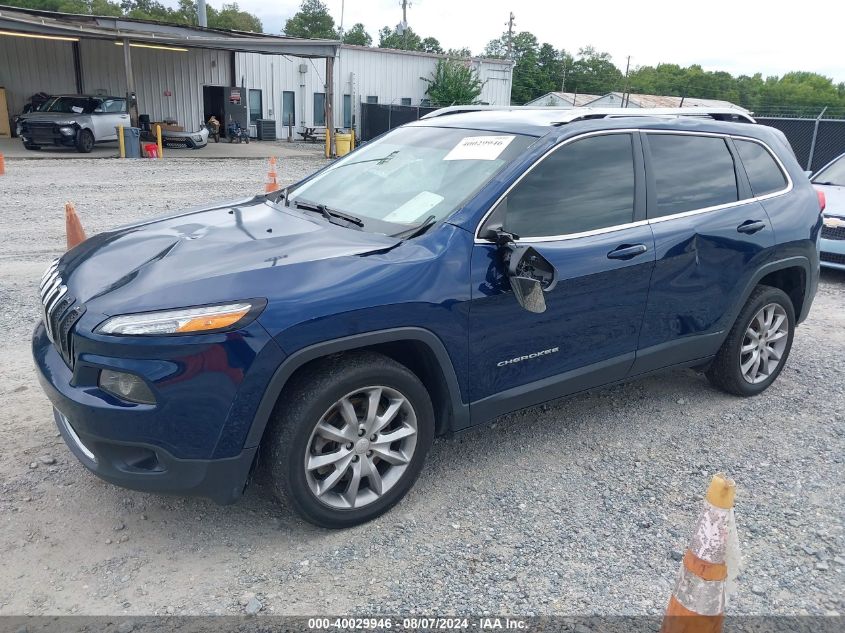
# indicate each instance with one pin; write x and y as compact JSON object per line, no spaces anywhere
{"x":830,"y":180}
{"x":77,"y":121}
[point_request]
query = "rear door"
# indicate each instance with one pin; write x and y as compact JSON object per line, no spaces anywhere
{"x":710,"y":236}
{"x":582,"y":208}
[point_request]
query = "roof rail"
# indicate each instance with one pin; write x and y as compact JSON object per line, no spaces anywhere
{"x":569,"y":115}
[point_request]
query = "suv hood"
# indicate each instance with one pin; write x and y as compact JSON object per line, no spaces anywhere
{"x":206,"y":253}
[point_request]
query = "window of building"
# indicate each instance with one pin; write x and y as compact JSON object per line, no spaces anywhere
{"x":763,"y":172}
{"x":288,"y":107}
{"x":691,"y":172}
{"x":583,"y":186}
{"x":319,"y":108}
{"x":372,"y":99}
{"x":347,"y":111}
{"x":254,"y":105}
{"x":406,"y":101}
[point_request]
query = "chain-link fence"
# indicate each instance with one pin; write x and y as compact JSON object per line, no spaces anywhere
{"x":817,"y":138}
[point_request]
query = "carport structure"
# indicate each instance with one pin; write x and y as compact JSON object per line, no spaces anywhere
{"x":141,"y":36}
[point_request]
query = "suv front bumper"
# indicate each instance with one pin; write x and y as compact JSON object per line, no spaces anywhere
{"x":152,"y":469}
{"x":125,"y":444}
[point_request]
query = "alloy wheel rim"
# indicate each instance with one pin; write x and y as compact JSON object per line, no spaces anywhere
{"x":361,"y":447}
{"x":764,"y":343}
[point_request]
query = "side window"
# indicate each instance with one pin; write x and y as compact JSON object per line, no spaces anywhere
{"x":114,"y":105}
{"x":691,"y":172}
{"x":763,"y":172}
{"x":583,"y":186}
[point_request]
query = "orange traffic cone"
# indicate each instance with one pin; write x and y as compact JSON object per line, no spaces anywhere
{"x":75,"y":233}
{"x":697,"y":604}
{"x":2,"y":165}
{"x":272,"y":177}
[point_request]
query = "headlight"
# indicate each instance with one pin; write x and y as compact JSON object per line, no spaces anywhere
{"x":183,"y":321}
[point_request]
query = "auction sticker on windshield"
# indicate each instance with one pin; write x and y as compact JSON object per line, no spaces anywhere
{"x":479,"y":148}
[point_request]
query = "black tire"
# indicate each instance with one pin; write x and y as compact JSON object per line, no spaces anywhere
{"x":31,"y":146}
{"x":725,"y":372}
{"x":304,"y":401}
{"x":85,"y":142}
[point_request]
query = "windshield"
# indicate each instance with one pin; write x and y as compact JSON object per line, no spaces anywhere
{"x":70,"y":105}
{"x":411,"y":174}
{"x":833,"y":174}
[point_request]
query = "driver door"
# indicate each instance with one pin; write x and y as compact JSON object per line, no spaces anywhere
{"x":582,"y":208}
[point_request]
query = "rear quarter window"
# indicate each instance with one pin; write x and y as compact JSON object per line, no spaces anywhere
{"x":764,"y":174}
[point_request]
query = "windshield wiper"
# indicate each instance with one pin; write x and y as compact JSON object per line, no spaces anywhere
{"x":380,"y":161}
{"x":328,"y":213}
{"x":417,"y":230}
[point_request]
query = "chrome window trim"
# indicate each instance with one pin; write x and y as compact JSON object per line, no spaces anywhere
{"x":621,"y":227}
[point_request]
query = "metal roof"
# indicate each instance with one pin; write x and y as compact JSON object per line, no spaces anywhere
{"x":663,"y":101}
{"x":73,"y":26}
{"x":576,"y":99}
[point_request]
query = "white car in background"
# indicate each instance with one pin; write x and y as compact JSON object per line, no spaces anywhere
{"x":77,"y":121}
{"x":830,"y":180}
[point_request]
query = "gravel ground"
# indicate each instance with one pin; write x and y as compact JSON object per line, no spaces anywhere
{"x":581,"y":507}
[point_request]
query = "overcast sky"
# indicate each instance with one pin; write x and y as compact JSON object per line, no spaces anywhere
{"x":739,"y":37}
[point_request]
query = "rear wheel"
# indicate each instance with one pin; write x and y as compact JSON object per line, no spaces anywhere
{"x":85,"y":142}
{"x":349,"y":439}
{"x":753,"y":355}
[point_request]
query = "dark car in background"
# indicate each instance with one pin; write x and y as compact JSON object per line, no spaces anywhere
{"x":455,"y":269}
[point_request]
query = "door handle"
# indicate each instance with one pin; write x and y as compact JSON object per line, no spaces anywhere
{"x":751,"y":226}
{"x":627,"y":251}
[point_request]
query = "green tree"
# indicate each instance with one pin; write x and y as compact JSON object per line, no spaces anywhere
{"x":357,"y":36}
{"x":431,"y":45}
{"x":594,"y":72}
{"x":231,"y":17}
{"x":453,"y":82}
{"x":406,"y":41}
{"x":312,"y":21}
{"x":460,"y":53}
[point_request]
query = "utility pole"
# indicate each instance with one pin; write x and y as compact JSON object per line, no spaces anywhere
{"x":403,"y":30}
{"x":625,"y":89}
{"x":202,"y":17}
{"x":510,"y":24}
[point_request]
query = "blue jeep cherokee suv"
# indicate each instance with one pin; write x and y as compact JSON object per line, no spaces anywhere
{"x":455,"y":269}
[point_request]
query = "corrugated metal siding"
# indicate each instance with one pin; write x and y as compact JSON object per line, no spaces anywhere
{"x":156,"y":72}
{"x":359,"y":73}
{"x":35,"y":65}
{"x":273,"y":74}
{"x":28,"y":66}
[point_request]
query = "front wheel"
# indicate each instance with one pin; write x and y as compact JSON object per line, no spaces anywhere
{"x":753,"y":355}
{"x":85,"y":142}
{"x":349,"y":439}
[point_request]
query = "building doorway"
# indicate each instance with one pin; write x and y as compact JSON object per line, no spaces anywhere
{"x":213,"y":99}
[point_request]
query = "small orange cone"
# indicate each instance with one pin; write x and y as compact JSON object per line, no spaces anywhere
{"x":697,"y":604}
{"x":75,"y":233}
{"x":2,"y":165}
{"x":272,"y":177}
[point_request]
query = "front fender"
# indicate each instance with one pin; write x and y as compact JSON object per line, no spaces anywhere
{"x":460,"y":411}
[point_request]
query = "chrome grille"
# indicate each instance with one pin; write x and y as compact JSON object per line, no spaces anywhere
{"x":59,"y":311}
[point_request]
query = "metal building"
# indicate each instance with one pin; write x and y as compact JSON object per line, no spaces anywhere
{"x":184,"y":74}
